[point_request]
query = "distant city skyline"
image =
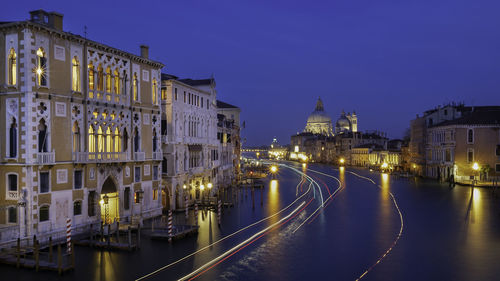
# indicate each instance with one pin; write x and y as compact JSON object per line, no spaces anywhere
{"x":387,"y":61}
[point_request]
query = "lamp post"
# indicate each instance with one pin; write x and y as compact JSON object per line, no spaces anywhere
{"x":475,"y":167}
{"x":273,"y":170}
{"x":341,"y":161}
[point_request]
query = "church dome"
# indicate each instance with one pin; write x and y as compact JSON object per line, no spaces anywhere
{"x":318,"y":121}
{"x":343,"y":123}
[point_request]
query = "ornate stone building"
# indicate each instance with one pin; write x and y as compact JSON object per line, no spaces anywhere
{"x":81,"y":123}
{"x":189,"y":139}
{"x":319,"y":122}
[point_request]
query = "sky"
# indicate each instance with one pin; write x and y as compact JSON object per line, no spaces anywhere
{"x":387,"y":60}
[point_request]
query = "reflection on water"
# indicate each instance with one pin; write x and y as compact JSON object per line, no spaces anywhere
{"x":273,"y":201}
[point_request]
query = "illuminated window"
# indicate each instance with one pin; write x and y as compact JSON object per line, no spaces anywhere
{"x":118,"y":145}
{"x":100,"y":140}
{"x":12,"y":67}
{"x":154,"y":91}
{"x":135,"y":87}
{"x":76,"y":75}
{"x":117,"y":82}
{"x":91,"y":76}
{"x":92,"y":144}
{"x":109,"y":141}
{"x":108,"y":79}
{"x":155,"y":194}
{"x":164,"y":93}
{"x":76,"y":137}
{"x":44,"y":213}
{"x":100,"y":78}
{"x":41,"y":67}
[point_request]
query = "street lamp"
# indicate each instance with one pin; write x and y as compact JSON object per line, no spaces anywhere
{"x":274,"y":169}
{"x":342,"y":161}
{"x":475,"y":167}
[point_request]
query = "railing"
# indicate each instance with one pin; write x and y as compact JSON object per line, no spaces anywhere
{"x":12,"y":195}
{"x":157,"y":155}
{"x":46,"y":157}
{"x":139,"y":156}
{"x":107,"y":97}
{"x":84,"y":157}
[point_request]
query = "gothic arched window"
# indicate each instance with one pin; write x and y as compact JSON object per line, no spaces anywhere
{"x":91,"y":76}
{"x":41,"y":67}
{"x":75,"y":86}
{"x":12,"y":67}
{"x":13,"y":139}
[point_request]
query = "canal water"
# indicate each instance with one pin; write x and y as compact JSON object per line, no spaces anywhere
{"x":448,"y":234}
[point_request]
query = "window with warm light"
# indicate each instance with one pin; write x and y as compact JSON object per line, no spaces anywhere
{"x":154,"y":91}
{"x":117,"y":82}
{"x":118,"y":144}
{"x":12,"y":67}
{"x":164,"y":93}
{"x":75,"y":86}
{"x":100,"y":140}
{"x":91,"y":76}
{"x":92,"y":139}
{"x":108,"y":79}
{"x":100,"y":78}
{"x":135,"y":87}
{"x":41,"y":67}
{"x":76,"y":137}
{"x":109,"y":141}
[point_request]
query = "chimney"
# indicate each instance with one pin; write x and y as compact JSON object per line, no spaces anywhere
{"x":145,"y":51}
{"x":56,"y":20}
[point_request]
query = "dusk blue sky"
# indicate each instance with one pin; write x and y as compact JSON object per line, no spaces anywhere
{"x":387,"y":60}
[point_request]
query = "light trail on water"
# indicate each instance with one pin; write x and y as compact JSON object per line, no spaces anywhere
{"x":232,"y":234}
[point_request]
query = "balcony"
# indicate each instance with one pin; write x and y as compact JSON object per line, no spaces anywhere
{"x":106,"y":97}
{"x":89,"y":157}
{"x":157,"y":155}
{"x":139,"y":156}
{"x":46,"y":158}
{"x":12,"y":195}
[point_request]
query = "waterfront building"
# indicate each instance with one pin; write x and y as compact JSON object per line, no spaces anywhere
{"x":189,"y":139}
{"x":453,"y":146}
{"x":318,"y":122}
{"x":228,"y":135}
{"x":81,"y":123}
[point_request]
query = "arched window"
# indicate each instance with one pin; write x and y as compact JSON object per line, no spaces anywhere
{"x":135,"y":87}
{"x":76,"y":137}
{"x":155,"y":141}
{"x":117,"y":82}
{"x":108,"y":79}
{"x":109,"y":140}
{"x":12,"y":67}
{"x":13,"y":139}
{"x":155,"y":91}
{"x":91,"y":142}
{"x":118,"y":140}
{"x":91,"y":76}
{"x":100,"y":78}
{"x":42,"y":136}
{"x":76,"y":75}
{"x":100,"y":140}
{"x":41,"y":67}
{"x":137,"y":141}
{"x":125,"y":140}
{"x":77,"y":208}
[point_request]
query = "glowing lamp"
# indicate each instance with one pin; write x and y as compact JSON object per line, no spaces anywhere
{"x":342,"y":160}
{"x":184,"y":186}
{"x":475,"y":166}
{"x":384,"y":165}
{"x":274,"y":169}
{"x":209,"y":185}
{"x":202,"y":187}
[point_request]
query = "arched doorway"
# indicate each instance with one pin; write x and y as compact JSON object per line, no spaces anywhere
{"x":109,"y":202}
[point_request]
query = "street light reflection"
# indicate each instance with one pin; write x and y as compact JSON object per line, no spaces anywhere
{"x":274,"y":200}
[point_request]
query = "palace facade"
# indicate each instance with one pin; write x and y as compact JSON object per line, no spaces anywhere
{"x":81,"y":123}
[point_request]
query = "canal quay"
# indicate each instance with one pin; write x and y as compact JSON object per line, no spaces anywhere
{"x":346,"y":224}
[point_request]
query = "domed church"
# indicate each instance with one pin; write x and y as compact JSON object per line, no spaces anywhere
{"x":346,"y":123}
{"x":318,"y":121}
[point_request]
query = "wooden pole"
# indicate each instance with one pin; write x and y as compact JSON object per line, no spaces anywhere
{"x":59,"y":259}
{"x":117,"y":232}
{"x":108,"y":237}
{"x":18,"y":252}
{"x":129,"y":237}
{"x":50,"y":249}
{"x":138,"y":236}
{"x":37,"y":255}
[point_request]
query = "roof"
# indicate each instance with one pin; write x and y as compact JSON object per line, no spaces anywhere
{"x":483,"y":116}
{"x":76,"y":37}
{"x":197,"y":82}
{"x":370,"y":145}
{"x":221,"y":104}
{"x":166,"y":76}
